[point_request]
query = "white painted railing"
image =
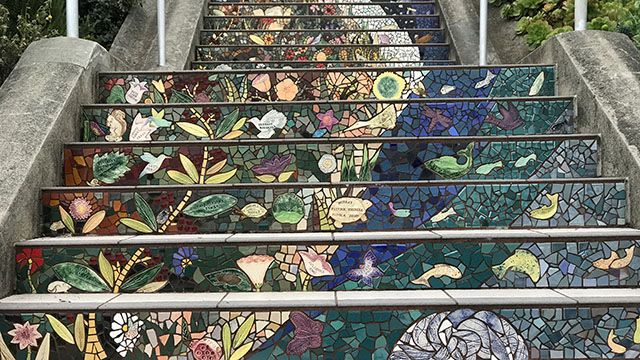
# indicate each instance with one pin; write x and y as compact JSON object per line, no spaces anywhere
{"x":72,"y":19}
{"x":73,"y":28}
{"x":484,"y":13}
{"x":581,"y":15}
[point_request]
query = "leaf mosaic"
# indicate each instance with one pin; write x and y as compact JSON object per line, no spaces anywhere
{"x":325,"y":207}
{"x":414,"y":334}
{"x":324,"y":84}
{"x":340,"y":119}
{"x":295,"y":267}
{"x":278,"y":162}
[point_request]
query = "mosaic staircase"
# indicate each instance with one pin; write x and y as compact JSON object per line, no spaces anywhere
{"x":334,"y":209}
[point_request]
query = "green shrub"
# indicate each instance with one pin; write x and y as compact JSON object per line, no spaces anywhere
{"x":538,"y":20}
{"x":25,"y":21}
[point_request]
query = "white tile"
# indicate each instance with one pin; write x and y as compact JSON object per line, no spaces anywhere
{"x":292,"y":299}
{"x":603,"y":295}
{"x":284,"y":238}
{"x":606,"y":232}
{"x":385,"y":298}
{"x":88,"y":240}
{"x":164,"y":301}
{"x":383,"y":236}
{"x":177,"y":240}
{"x":508,"y":297}
{"x":54,"y":302}
{"x":488,"y":234}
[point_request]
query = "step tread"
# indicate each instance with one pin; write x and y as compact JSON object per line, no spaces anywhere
{"x":321,"y":299}
{"x":557,"y":234}
{"x":420,"y":183}
{"x":232,"y":71}
{"x":267,"y":142}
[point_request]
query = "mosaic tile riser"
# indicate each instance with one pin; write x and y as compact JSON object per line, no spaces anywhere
{"x":322,"y":52}
{"x":416,"y":334}
{"x":325,"y":85}
{"x":244,"y":37}
{"x":411,"y":118}
{"x":388,"y":7}
{"x":158,"y":164}
{"x":365,"y":207}
{"x":294,"y":267}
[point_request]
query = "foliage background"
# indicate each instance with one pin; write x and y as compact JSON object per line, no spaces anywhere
{"x":25,"y":21}
{"x":539,"y":20}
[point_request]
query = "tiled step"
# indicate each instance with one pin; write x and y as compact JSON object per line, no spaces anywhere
{"x":446,"y":259}
{"x":305,"y":52}
{"x":319,"y":8}
{"x":357,"y":206}
{"x":332,"y":160}
{"x":415,"y":117}
{"x":375,"y":19}
{"x":335,"y":36}
{"x":213,"y":65}
{"x":325,"y":84}
{"x":500,"y":324}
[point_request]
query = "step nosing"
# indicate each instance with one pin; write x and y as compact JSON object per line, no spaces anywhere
{"x":303,"y":141}
{"x":256,"y":30}
{"x":435,"y":67}
{"x":336,"y":102}
{"x":323,"y":17}
{"x":504,"y":298}
{"x":337,"y":184}
{"x":256,"y":46}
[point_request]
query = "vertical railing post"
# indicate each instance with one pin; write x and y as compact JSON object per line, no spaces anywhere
{"x":162,"y":51}
{"x":72,"y":19}
{"x":581,"y":15}
{"x":484,"y":10}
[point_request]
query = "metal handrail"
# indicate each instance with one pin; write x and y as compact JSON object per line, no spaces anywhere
{"x":581,"y":15}
{"x":73,"y":28}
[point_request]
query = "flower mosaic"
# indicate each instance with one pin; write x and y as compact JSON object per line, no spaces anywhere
{"x":352,"y":266}
{"x":398,"y":160}
{"x":404,"y":118}
{"x":413,"y":334}
{"x":327,"y":207}
{"x":325,"y":84}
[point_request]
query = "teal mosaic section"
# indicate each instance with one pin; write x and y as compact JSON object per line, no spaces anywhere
{"x":413,"y":334}
{"x":408,"y":118}
{"x":264,"y":162}
{"x":326,"y":207}
{"x":304,"y":267}
{"x":324,"y":84}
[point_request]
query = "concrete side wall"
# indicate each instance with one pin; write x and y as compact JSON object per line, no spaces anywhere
{"x":137,"y":46}
{"x":39,"y":111}
{"x":40,"y":106}
{"x":603,"y":70}
{"x":463,"y":22}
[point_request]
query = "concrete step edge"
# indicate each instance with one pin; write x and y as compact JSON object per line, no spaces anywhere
{"x":495,"y":298}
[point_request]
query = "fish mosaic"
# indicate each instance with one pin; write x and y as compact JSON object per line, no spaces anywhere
{"x":227,"y":85}
{"x":410,"y":334}
{"x":360,"y":206}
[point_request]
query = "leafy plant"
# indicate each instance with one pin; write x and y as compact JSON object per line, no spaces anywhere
{"x":538,"y":20}
{"x":25,"y":21}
